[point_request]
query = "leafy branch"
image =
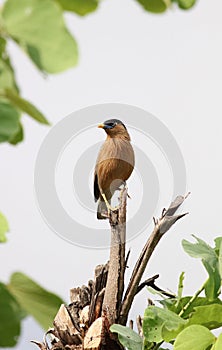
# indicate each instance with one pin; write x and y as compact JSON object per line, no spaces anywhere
{"x":186,"y":322}
{"x":39,"y":29}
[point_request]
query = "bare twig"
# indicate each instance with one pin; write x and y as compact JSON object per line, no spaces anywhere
{"x":162,"y":225}
{"x":139,"y":325}
{"x":150,"y":282}
{"x":41,"y":346}
{"x":127,"y":258}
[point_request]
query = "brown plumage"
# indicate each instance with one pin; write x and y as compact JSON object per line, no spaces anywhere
{"x":114,"y":164}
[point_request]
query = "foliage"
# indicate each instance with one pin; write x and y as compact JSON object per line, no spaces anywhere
{"x":160,"y":6}
{"x":39,"y":29}
{"x":10,"y":318}
{"x":210,"y":260}
{"x":34,"y":25}
{"x":194,"y":337}
{"x":4,"y":227}
{"x":81,"y":7}
{"x":186,"y":322}
{"x":22,"y":297}
{"x":127,"y":337}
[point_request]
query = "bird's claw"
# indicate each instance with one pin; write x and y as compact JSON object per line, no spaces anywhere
{"x":114,"y":208}
{"x":111,"y":210}
{"x":105,"y":214}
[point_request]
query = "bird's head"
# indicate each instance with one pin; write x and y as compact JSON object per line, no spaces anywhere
{"x":114,"y":128}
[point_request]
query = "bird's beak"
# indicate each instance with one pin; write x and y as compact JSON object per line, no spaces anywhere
{"x":101,"y":126}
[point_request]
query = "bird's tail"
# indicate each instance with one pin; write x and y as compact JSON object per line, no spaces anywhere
{"x":101,"y":209}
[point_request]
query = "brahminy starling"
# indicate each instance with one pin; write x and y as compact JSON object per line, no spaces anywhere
{"x":114,"y":165}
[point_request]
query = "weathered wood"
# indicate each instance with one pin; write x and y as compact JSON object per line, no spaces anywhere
{"x":94,"y":336}
{"x":41,"y":346}
{"x":139,"y":322}
{"x":84,"y":317}
{"x":80,"y":297}
{"x":98,"y":286}
{"x":98,"y":304}
{"x":84,"y":324}
{"x":65,"y":329}
{"x":115,"y":280}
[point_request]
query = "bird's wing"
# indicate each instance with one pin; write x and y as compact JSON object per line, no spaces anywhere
{"x":96,"y":188}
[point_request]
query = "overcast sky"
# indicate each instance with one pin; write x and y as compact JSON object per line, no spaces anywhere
{"x":168,"y":65}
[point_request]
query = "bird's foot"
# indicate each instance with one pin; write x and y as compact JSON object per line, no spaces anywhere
{"x":109,"y":207}
{"x":110,"y":210}
{"x":105,"y":200}
{"x":105,"y":214}
{"x":113,"y":208}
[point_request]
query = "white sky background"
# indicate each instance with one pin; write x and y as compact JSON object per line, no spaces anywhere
{"x":170,"y":65}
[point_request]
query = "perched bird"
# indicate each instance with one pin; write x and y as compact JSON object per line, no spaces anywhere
{"x":114,"y":165}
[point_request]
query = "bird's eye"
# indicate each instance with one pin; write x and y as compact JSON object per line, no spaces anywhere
{"x":109,"y":125}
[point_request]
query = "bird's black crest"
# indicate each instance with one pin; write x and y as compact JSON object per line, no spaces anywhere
{"x":114,"y":121}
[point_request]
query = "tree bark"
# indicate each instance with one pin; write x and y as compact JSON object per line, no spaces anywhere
{"x":115,"y":281}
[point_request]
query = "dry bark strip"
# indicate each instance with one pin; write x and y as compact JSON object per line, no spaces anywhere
{"x":162,"y":225}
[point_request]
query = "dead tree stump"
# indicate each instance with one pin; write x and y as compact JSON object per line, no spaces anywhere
{"x":85,"y":322}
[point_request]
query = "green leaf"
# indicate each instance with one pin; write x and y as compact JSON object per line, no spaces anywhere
{"x":155,"y":6}
{"x":218,"y":344}
{"x":127,"y":337}
{"x":2,"y":46}
{"x":10,"y":318}
{"x":180,"y":288}
{"x":38,"y":26}
{"x":210,"y":261}
{"x":209,"y":316}
{"x":213,"y":284}
{"x":199,"y":301}
{"x":220,"y":261}
{"x":194,"y":337}
{"x":161,"y":324}
{"x":18,"y":136}
{"x":218,"y":250}
{"x":199,"y":250}
{"x":186,"y":4}
{"x":9,"y":121}
{"x":6,"y":75}
{"x":81,"y":7}
{"x":35,"y":300}
{"x":218,"y":242}
{"x":4,"y":228}
{"x":25,"y":106}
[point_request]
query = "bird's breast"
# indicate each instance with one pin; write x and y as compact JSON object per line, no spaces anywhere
{"x":115,"y":162}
